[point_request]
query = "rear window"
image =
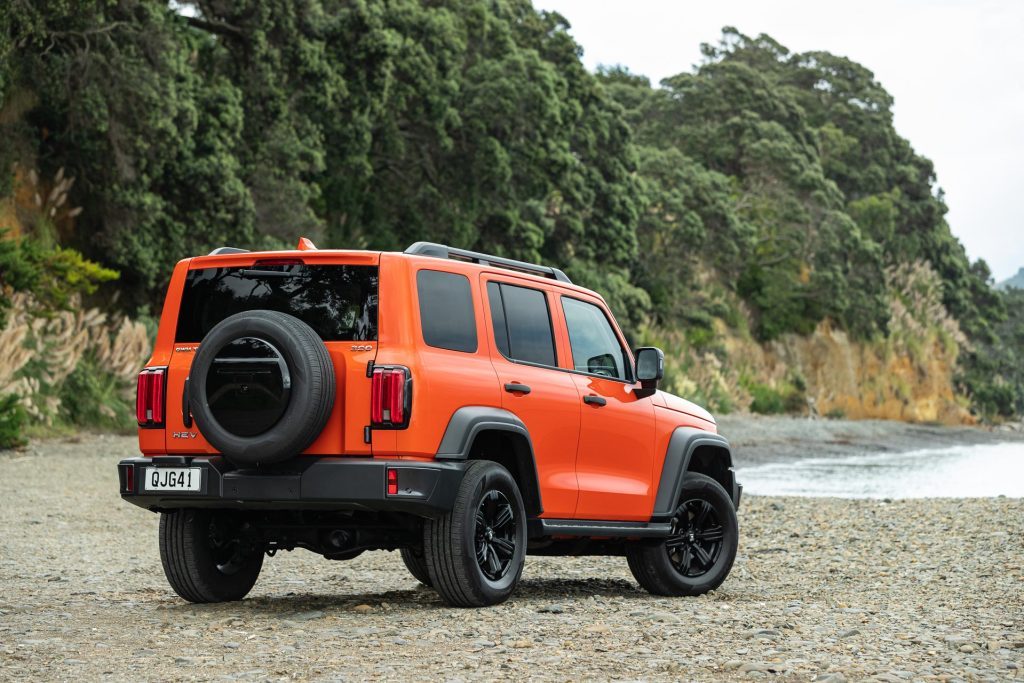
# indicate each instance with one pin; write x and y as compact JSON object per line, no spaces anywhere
{"x":338,"y":302}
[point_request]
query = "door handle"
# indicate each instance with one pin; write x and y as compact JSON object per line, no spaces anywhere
{"x":595,"y":400}
{"x":516,"y":388}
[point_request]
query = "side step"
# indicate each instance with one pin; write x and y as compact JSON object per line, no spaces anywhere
{"x":595,"y":528}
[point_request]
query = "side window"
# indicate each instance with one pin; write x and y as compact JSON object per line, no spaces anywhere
{"x":522,"y":323}
{"x":595,"y":348}
{"x":446,"y":310}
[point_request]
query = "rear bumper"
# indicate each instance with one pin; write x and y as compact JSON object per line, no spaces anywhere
{"x":307,"y":483}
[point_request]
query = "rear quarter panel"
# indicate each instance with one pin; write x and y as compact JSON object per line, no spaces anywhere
{"x":443,"y":380}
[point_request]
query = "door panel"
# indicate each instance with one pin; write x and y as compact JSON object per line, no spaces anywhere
{"x":551,"y":408}
{"x":615,"y":462}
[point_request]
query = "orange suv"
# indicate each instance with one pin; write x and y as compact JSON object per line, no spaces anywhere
{"x":462,"y":408}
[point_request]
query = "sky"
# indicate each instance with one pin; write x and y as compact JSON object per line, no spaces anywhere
{"x":954,"y":67}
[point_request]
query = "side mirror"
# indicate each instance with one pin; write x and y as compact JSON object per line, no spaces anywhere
{"x":650,"y":369}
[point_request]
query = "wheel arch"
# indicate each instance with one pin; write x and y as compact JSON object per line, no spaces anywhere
{"x":693,"y":450}
{"x":487,"y":433}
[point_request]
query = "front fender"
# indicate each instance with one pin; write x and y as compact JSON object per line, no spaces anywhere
{"x":684,"y":443}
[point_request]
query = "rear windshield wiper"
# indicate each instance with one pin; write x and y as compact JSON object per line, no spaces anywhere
{"x":259,"y":272}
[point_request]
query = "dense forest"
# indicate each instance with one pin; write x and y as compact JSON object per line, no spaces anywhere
{"x":760,"y":194}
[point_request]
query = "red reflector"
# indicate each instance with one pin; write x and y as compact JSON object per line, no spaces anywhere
{"x":392,"y":482}
{"x":149,"y":397}
{"x":387,"y":396}
{"x":129,"y":479}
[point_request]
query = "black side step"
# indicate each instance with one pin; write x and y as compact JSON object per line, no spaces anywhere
{"x":589,"y":527}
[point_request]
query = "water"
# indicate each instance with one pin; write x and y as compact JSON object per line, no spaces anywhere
{"x":955,"y":472}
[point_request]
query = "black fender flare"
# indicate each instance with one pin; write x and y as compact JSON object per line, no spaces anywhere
{"x":468,"y":422}
{"x":681,"y":447}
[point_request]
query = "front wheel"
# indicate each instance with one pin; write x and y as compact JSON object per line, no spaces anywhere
{"x":699,"y":553}
{"x":474,"y":553}
{"x":206,"y":557}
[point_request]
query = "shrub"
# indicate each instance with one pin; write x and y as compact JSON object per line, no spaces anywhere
{"x":12,"y":422}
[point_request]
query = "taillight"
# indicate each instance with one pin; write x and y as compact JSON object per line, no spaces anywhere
{"x":390,"y":397}
{"x":149,"y":397}
{"x":392,"y":481}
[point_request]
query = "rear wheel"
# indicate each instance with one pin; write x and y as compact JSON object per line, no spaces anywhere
{"x":205,"y":556}
{"x":699,"y":554}
{"x":416,"y":563}
{"x":474,"y":553}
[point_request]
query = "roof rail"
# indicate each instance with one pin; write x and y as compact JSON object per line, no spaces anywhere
{"x":227,"y":250}
{"x":443,"y":251}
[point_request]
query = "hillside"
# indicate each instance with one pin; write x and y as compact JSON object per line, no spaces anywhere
{"x":1017,"y":281}
{"x":758,"y":215}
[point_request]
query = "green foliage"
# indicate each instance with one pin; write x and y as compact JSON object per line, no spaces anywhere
{"x":52,"y":275}
{"x":92,"y":397}
{"x":12,"y":422}
{"x":769,"y":400}
{"x":764,"y":188}
{"x":994,"y":374}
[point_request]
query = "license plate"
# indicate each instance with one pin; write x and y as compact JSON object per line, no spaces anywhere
{"x":173,"y":478}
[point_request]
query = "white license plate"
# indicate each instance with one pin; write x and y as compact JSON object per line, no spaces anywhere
{"x":173,"y":478}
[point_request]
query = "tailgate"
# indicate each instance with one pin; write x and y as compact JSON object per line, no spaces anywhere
{"x":334,"y":294}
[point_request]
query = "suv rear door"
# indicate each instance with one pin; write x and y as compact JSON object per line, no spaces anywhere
{"x":334,"y":292}
{"x":615,"y":463}
{"x":524,"y":354}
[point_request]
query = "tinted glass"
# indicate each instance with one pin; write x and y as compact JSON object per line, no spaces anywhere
{"x":498,"y":317}
{"x":528,"y":325}
{"x":446,"y":310}
{"x":339,"y":302}
{"x":595,"y":348}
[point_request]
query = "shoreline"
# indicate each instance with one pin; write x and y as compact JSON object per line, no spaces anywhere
{"x":763,"y":439}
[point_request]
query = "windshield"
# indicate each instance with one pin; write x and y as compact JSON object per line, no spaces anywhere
{"x":338,"y":302}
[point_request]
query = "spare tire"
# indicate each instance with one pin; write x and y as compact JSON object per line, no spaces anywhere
{"x":261,"y":387}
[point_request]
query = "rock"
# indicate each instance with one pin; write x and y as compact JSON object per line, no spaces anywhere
{"x":733,"y":664}
{"x":597,"y":628}
{"x":231,"y":645}
{"x":834,"y":677}
{"x":311,"y":615}
{"x":747,"y":667}
{"x":521,"y":644}
{"x":362,"y":609}
{"x":968,"y":648}
{"x":550,"y":609}
{"x":849,"y":633}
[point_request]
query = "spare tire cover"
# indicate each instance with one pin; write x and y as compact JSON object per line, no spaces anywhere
{"x":261,"y":387}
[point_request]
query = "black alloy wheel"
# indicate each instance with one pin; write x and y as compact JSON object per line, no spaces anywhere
{"x":474,"y":553}
{"x":495,"y":535}
{"x":697,"y":556}
{"x":208,"y":556}
{"x":697,"y":538}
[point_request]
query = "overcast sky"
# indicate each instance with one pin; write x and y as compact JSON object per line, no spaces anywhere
{"x":954,"y":67}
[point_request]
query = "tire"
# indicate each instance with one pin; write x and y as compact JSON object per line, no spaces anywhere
{"x":416,"y":563}
{"x":674,"y":566}
{"x":203,"y":560}
{"x":477,"y":522}
{"x":309,"y":401}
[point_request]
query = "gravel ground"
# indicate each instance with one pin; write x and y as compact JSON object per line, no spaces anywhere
{"x":822,"y":589}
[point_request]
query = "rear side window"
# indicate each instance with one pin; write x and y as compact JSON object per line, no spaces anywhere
{"x":338,"y":302}
{"x":446,"y":310}
{"x":522,"y":323}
